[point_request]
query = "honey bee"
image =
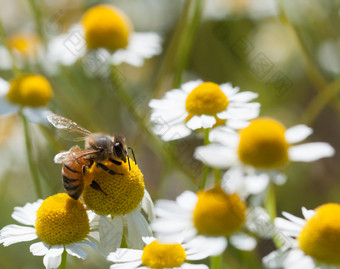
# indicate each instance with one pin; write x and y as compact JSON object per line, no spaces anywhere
{"x":99,"y":147}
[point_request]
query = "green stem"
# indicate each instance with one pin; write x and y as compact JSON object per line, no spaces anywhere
{"x":216,"y":262}
{"x":187,"y":38}
{"x":37,"y":14}
{"x":270,"y":201}
{"x":128,"y":102}
{"x":217,"y":174}
{"x":206,"y":167}
{"x":63,"y":260}
{"x":29,"y":152}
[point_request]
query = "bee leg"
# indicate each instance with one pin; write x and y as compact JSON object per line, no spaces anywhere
{"x":96,"y":186}
{"x":106,"y":169}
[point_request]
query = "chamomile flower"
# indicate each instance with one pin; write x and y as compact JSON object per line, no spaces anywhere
{"x":60,"y":222}
{"x":29,"y":92}
{"x":256,"y":154}
{"x":26,"y":48}
{"x":198,"y":105}
{"x":107,"y":32}
{"x":313,"y":242}
{"x":119,"y":204}
{"x":164,"y":254}
{"x":213,"y":215}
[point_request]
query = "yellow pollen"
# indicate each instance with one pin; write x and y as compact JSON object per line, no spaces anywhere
{"x":106,"y":26}
{"x":263,"y":144}
{"x":123,"y":191}
{"x":320,"y":237}
{"x":206,"y":99}
{"x":26,"y":43}
{"x":218,"y":213}
{"x":157,"y":255}
{"x":30,"y":90}
{"x":62,"y":220}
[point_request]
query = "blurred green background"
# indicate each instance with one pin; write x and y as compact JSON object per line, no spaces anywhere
{"x":287,"y":51}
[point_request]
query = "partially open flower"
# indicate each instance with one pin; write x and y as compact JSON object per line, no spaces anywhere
{"x":201,"y":105}
{"x":60,"y":222}
{"x":164,"y":254}
{"x":212,"y":214}
{"x":258,"y":152}
{"x":106,"y":32}
{"x":29,"y":92}
{"x":314,"y":240}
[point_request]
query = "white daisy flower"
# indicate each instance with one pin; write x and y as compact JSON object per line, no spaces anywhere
{"x":199,"y":104}
{"x":310,"y":243}
{"x":28,"y":92}
{"x":119,"y":205}
{"x":60,"y":222}
{"x":256,"y":154}
{"x":106,"y":32}
{"x":160,"y":253}
{"x":25,"y":47}
{"x":213,"y":215}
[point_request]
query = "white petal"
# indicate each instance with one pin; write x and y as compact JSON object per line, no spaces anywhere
{"x":243,"y":242}
{"x":187,"y":200}
{"x":308,"y":214}
{"x":237,"y":124}
{"x":298,"y":133}
{"x":310,"y":152}
{"x":286,"y":225}
{"x":147,"y":206}
{"x":125,"y":255}
{"x":294,"y":219}
{"x":297,"y":259}
{"x":193,"y":266}
{"x":110,"y":233}
{"x":203,"y":121}
{"x":224,"y":136}
{"x":202,"y":247}
{"x":233,"y":181}
{"x":6,"y":60}
{"x":141,"y":46}
{"x":127,"y":265}
{"x":12,"y":234}
{"x":39,"y":249}
{"x":170,"y":209}
{"x":170,"y":133}
{"x":256,"y":183}
{"x":27,"y":214}
{"x":137,"y":227}
{"x":4,"y":87}
{"x":76,"y":251}
{"x":6,"y":107}
{"x":52,"y":259}
{"x":37,"y":115}
{"x":228,"y":89}
{"x":216,"y":155}
{"x":243,"y":112}
{"x":275,"y":259}
{"x":191,"y":85}
{"x":148,"y":239}
{"x":243,"y":97}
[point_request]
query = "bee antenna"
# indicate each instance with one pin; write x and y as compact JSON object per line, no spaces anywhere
{"x":133,"y":154}
{"x":129,"y":162}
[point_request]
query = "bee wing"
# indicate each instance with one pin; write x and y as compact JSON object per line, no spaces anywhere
{"x":73,"y":154}
{"x":61,"y":122}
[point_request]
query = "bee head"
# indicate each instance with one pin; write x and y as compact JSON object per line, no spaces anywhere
{"x":119,"y":148}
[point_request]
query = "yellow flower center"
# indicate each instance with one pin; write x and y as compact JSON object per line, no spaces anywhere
{"x":26,"y":43}
{"x":30,"y":90}
{"x":218,"y":213}
{"x":206,"y":99}
{"x":61,"y":220}
{"x":320,"y":237}
{"x":106,"y":26}
{"x":263,"y":144}
{"x":121,"y":193}
{"x":157,"y":255}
